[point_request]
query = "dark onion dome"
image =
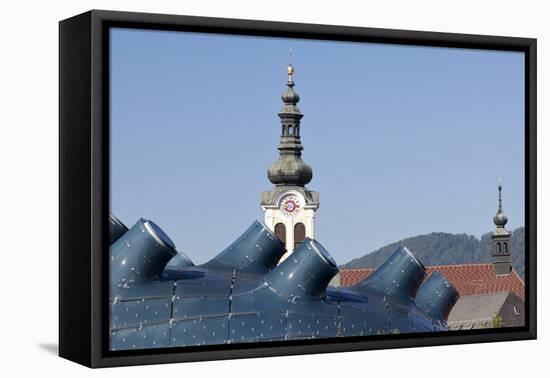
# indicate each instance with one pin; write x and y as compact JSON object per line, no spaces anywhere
{"x":290,"y":96}
{"x":500,"y":218}
{"x":290,"y":169}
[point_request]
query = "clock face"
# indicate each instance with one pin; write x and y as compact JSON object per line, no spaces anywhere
{"x":290,"y":205}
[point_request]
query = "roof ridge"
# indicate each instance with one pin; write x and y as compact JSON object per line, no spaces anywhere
{"x":439,"y":266}
{"x":427,"y":266}
{"x":455,"y":265}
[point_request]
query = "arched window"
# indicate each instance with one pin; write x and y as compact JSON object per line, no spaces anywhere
{"x":505,"y":247}
{"x":299,"y":234}
{"x":499,"y":248}
{"x":280,"y":232}
{"x":290,"y":131}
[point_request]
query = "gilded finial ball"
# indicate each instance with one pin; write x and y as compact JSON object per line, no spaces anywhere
{"x":290,"y":69}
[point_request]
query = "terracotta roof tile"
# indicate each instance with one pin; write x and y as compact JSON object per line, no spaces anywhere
{"x":468,"y":279}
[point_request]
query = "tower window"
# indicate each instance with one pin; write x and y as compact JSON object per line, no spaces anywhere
{"x":499,"y":248}
{"x":299,"y":234}
{"x":280,"y":232}
{"x":290,"y":130}
{"x":505,"y":247}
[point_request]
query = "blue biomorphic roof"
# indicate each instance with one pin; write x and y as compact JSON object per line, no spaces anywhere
{"x":159,"y":298}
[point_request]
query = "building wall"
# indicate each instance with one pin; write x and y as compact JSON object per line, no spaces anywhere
{"x":513,"y":312}
{"x":495,"y":310}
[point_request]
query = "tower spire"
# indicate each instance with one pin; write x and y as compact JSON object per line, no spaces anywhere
{"x":500,"y":218}
{"x":289,"y":208}
{"x":290,"y":169}
{"x":501,"y":239}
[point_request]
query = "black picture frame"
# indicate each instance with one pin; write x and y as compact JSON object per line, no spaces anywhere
{"x":84,"y":186}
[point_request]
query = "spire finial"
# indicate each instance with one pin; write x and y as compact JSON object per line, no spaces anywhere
{"x":499,"y":194}
{"x":290,"y":68}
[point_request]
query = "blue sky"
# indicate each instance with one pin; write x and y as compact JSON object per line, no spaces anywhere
{"x":403,"y":140}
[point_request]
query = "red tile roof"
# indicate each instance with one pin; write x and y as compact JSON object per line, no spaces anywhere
{"x":468,"y":279}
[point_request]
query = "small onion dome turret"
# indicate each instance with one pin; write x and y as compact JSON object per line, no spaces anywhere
{"x":500,"y":218}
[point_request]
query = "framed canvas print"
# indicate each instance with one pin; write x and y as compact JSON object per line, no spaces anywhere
{"x":234,"y":188}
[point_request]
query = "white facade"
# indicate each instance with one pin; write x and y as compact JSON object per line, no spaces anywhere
{"x":290,"y":208}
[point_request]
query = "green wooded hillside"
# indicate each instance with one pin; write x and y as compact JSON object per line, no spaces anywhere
{"x":440,"y":248}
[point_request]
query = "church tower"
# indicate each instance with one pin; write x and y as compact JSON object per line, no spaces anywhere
{"x":289,"y":209}
{"x":501,"y":240}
